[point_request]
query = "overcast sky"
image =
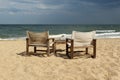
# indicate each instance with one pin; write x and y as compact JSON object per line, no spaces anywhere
{"x":59,"y":11}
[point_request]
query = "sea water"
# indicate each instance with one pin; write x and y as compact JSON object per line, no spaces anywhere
{"x":15,"y":31}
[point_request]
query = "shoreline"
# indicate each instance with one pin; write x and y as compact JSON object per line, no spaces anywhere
{"x":64,"y":36}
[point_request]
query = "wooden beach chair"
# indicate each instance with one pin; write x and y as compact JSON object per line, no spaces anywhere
{"x":41,"y":39}
{"x":81,"y":40}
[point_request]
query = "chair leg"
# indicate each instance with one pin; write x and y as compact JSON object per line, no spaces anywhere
{"x":67,"y":48}
{"x":71,"y":51}
{"x":86,"y":50}
{"x":67,"y":54}
{"x":35,"y":49}
{"x":55,"y":48}
{"x":48,"y":51}
{"x":27,"y":49}
{"x":27,"y":45}
{"x":94,"y":50}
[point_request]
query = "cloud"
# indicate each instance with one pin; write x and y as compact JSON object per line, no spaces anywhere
{"x":63,"y":10}
{"x":104,"y":3}
{"x":39,"y":7}
{"x":28,"y":6}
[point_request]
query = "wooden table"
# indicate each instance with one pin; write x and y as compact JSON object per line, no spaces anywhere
{"x":58,"y":42}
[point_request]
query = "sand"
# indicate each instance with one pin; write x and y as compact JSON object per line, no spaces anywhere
{"x":14,"y":65}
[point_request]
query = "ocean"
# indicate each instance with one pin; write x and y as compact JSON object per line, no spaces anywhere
{"x":13,"y":31}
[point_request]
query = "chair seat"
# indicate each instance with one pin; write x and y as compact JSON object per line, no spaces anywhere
{"x":43,"y":45}
{"x":81,"y":45}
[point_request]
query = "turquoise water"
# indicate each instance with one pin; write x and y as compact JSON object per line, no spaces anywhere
{"x":17,"y":31}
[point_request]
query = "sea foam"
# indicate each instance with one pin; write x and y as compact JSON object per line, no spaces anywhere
{"x":99,"y":34}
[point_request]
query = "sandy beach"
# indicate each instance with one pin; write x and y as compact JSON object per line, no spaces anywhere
{"x":15,"y":65}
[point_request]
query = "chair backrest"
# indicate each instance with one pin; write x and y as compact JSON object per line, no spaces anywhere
{"x":38,"y":38}
{"x":83,"y":37}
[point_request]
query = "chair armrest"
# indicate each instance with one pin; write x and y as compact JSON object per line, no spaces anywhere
{"x":27,"y":41}
{"x":27,"y":38}
{"x":51,"y":39}
{"x":68,"y":40}
{"x":94,"y":42}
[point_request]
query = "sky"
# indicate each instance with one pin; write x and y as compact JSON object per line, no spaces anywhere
{"x":59,"y":11}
